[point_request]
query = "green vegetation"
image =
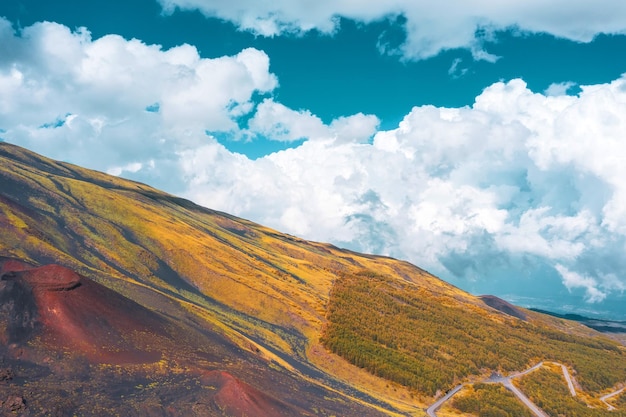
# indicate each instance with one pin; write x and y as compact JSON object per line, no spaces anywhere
{"x":269,"y":293}
{"x":430,"y":341}
{"x":549,"y":391}
{"x":620,"y":400}
{"x":490,"y":400}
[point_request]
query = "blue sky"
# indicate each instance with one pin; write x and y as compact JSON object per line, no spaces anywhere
{"x":482,"y":142}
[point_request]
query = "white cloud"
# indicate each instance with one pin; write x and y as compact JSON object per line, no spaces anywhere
{"x":559,"y":89}
{"x":539,"y":233}
{"x":518,"y":181}
{"x":455,"y":71}
{"x":356,"y":128}
{"x":430,"y":26}
{"x":278,"y":122}
{"x":574,"y":280}
{"x":73,"y":97}
{"x":131,"y":168}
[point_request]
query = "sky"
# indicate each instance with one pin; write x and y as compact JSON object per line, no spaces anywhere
{"x":482,"y":141}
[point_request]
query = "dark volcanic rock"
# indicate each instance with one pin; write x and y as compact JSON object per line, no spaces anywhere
{"x":14,"y":404}
{"x":19,"y":316}
{"x":6,"y":374}
{"x":18,"y":310}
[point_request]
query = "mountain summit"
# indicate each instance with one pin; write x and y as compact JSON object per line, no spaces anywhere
{"x":119,"y":299}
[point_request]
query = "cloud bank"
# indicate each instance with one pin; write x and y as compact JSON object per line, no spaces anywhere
{"x":275,"y":121}
{"x":129,"y":103}
{"x":430,"y":26}
{"x":519,"y":181}
{"x":516,"y":181}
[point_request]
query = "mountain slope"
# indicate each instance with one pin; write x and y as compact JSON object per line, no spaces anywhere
{"x":174,"y":298}
{"x":210,"y":274}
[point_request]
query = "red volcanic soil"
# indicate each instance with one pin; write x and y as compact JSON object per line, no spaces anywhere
{"x":53,"y":309}
{"x":10,"y":264}
{"x":52,"y":319}
{"x":74,"y":312}
{"x":237,"y":398}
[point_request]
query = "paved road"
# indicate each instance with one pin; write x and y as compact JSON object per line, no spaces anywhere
{"x":495,"y":378}
{"x":519,"y":394}
{"x":527,"y":371}
{"x":607,"y":396}
{"x":433,"y":408}
{"x":506,"y":381}
{"x":568,"y":378}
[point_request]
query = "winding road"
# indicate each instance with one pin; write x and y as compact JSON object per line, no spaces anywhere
{"x":607,"y":396}
{"x":496,"y":378}
{"x":519,"y":394}
{"x":568,"y":378}
{"x":431,"y":410}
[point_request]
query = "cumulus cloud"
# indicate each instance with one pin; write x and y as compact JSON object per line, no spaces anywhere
{"x":278,"y":122}
{"x":519,"y":181}
{"x":574,"y":280}
{"x":430,"y":26}
{"x":72,"y":97}
{"x":559,"y":89}
{"x":356,"y":128}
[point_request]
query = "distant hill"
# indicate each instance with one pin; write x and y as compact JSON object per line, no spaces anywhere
{"x":604,"y":326}
{"x":119,"y":299}
{"x":504,"y":306}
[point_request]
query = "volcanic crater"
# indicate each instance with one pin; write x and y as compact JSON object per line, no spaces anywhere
{"x":67,"y":310}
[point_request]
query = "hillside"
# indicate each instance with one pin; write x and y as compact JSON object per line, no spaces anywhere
{"x":119,"y":298}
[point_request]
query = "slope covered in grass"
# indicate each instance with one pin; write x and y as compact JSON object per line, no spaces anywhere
{"x":489,"y":400}
{"x":428,"y":341}
{"x":548,"y":389}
